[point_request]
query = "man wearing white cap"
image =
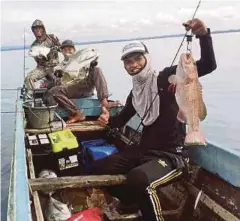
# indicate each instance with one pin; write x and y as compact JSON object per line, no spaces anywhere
{"x":161,"y":156}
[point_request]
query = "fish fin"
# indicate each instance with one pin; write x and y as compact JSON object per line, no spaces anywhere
{"x":181,"y":116}
{"x":45,"y":54}
{"x":195,"y":138}
{"x":202,"y":111}
{"x":175,"y":79}
{"x":202,"y":107}
{"x":172,"y":88}
{"x":172,"y":79}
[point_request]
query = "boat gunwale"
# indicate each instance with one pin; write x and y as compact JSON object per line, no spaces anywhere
{"x":19,"y":179}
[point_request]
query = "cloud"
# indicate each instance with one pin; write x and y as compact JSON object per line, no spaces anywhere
{"x":221,"y":13}
{"x":95,"y":20}
{"x":168,"y":18}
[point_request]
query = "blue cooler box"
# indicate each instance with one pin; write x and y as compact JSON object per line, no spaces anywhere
{"x":97,"y":149}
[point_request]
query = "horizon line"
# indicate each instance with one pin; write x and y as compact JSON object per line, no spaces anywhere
{"x":21,"y":47}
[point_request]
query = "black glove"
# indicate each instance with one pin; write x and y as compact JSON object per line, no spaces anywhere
{"x":58,"y":73}
{"x":53,"y":53}
{"x":55,"y":48}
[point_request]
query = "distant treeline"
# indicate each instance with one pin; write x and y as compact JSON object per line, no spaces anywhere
{"x":21,"y":47}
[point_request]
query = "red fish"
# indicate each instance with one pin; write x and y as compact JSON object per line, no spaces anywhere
{"x":189,"y":98}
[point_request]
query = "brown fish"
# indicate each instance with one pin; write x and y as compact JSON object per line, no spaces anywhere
{"x":188,"y":95}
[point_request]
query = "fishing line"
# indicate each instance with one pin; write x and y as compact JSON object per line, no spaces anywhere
{"x":24,"y":47}
{"x":181,"y":44}
{"x":24,"y":89}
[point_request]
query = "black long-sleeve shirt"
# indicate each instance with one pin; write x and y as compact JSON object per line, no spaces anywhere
{"x":167,"y":133}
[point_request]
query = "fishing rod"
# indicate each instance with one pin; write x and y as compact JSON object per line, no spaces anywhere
{"x":189,"y":38}
{"x":24,"y":89}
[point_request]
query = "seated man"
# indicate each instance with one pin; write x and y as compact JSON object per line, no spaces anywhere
{"x":78,"y":88}
{"x":161,"y":156}
{"x":44,"y":65}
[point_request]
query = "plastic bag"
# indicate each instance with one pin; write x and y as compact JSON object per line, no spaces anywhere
{"x":92,"y":214}
{"x":57,"y":210}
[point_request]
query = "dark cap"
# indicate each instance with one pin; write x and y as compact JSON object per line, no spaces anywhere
{"x":67,"y":43}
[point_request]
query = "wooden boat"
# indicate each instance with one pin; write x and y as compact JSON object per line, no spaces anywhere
{"x":213,"y":170}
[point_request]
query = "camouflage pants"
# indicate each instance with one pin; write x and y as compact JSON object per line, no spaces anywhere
{"x":36,"y":75}
{"x":62,"y":94}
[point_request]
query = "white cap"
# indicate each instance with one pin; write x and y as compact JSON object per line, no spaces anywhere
{"x":134,"y":46}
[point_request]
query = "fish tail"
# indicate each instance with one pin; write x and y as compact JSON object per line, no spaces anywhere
{"x":195,"y":138}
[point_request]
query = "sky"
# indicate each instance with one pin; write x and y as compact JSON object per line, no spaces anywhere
{"x":100,"y":20}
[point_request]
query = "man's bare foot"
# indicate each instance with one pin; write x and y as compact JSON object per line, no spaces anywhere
{"x":78,"y":116}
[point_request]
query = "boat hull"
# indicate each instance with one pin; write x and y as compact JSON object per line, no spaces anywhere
{"x":220,"y":193}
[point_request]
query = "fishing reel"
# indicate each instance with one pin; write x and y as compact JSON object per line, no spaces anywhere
{"x":23,"y":92}
{"x":113,"y":132}
{"x":93,"y":64}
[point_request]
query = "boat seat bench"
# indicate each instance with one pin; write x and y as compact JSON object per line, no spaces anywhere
{"x":48,"y":184}
{"x":76,"y":182}
{"x":84,"y":126}
{"x":178,"y":188}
